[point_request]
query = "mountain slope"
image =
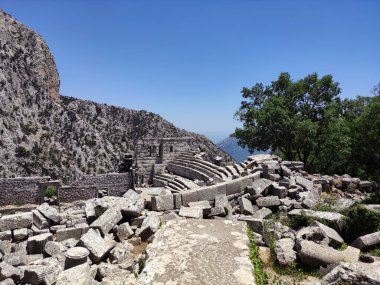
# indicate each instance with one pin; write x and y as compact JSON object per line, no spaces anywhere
{"x":42,"y":133}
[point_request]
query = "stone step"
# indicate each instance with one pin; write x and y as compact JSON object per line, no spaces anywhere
{"x":187,"y":172}
{"x":193,"y":166}
{"x":199,"y":165}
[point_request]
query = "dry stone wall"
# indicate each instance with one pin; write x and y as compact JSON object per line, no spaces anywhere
{"x":21,"y":190}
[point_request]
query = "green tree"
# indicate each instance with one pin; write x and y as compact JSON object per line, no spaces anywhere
{"x":300,"y":120}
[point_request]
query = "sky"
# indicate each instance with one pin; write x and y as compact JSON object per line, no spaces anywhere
{"x":188,"y":60}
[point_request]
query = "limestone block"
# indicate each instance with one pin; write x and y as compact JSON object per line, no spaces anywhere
{"x":367,"y":241}
{"x":50,"y":213}
{"x":124,"y":231}
{"x":53,"y":248}
{"x":15,"y":258}
{"x":191,"y":212}
{"x":263,"y":213}
{"x":260,"y":186}
{"x":162,"y":203}
{"x":177,"y":199}
{"x":79,"y":275}
{"x":207,"y":193}
{"x":36,"y":244}
{"x":189,"y":196}
{"x":284,"y":252}
{"x":9,"y":271}
{"x":108,"y":220}
{"x":39,"y":220}
{"x":246,"y":207}
{"x":316,"y":255}
{"x":279,"y":191}
{"x":332,"y":234}
{"x":76,"y":256}
{"x":20,"y":234}
{"x":6,"y":235}
{"x":268,"y":202}
{"x":69,"y":233}
{"x":97,"y":246}
{"x":149,"y":226}
{"x":16,"y":221}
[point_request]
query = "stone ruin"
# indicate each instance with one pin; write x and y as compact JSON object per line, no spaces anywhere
{"x":187,"y":226}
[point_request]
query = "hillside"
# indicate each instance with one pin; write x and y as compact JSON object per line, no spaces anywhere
{"x":43,"y":133}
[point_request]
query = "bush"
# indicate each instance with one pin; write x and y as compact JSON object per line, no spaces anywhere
{"x":361,"y":221}
{"x":22,"y":151}
{"x":50,"y":191}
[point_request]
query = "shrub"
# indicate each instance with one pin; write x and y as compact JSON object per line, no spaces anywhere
{"x":50,"y":191}
{"x":22,"y":151}
{"x":361,"y":221}
{"x":261,"y":277}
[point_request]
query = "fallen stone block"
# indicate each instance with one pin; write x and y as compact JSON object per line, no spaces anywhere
{"x":316,"y":255}
{"x":189,"y":196}
{"x":336,"y":218}
{"x":256,"y":225}
{"x":108,"y":220}
{"x":268,"y":202}
{"x":6,"y":235}
{"x":15,"y":258}
{"x":50,"y":213}
{"x":53,"y":248}
{"x":76,"y":256}
{"x":246,"y":207}
{"x":279,"y":191}
{"x":69,"y":233}
{"x":162,"y":203}
{"x":332,"y":234}
{"x":285,"y":254}
{"x":36,"y":244}
{"x":9,"y":271}
{"x":97,"y":246}
{"x":149,"y":226}
{"x":39,"y":220}
{"x":191,"y":212}
{"x":45,"y":272}
{"x":367,"y":241}
{"x":20,"y":234}
{"x":263,"y":213}
{"x":306,"y":184}
{"x":79,"y":275}
{"x":124,"y":231}
{"x":260,"y":186}
{"x":177,"y":200}
{"x":204,"y":205}
{"x":207,"y":193}
{"x":7,"y":281}
{"x":16,"y":221}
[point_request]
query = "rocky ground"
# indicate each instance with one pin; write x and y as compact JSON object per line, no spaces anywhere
{"x":298,"y":225}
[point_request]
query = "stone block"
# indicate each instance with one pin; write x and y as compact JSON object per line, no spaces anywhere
{"x":97,"y":246}
{"x":162,"y":203}
{"x":332,"y":234}
{"x":108,"y":220}
{"x":16,"y":221}
{"x":204,"y":205}
{"x":263,"y":213}
{"x":246,"y":207}
{"x":256,"y":225}
{"x":36,"y":244}
{"x":6,"y":235}
{"x":260,"y":186}
{"x":53,"y":248}
{"x":367,"y":241}
{"x":9,"y":271}
{"x":69,"y":233}
{"x":177,"y":199}
{"x":189,"y":196}
{"x":191,"y":212}
{"x":279,"y":191}
{"x":268,"y":202}
{"x":124,"y":231}
{"x":50,"y":213}
{"x":207,"y":193}
{"x":79,"y":275}
{"x":149,"y":226}
{"x":15,"y":258}
{"x":285,"y":253}
{"x":39,"y":220}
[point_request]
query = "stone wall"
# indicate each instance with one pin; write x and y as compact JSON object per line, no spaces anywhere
{"x":152,"y":155}
{"x":21,"y":190}
{"x":115,"y":184}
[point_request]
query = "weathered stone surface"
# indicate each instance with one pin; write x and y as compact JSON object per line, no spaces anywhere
{"x":7,"y":281}
{"x":79,"y":275}
{"x":162,"y":203}
{"x":262,"y":213}
{"x":367,"y":241}
{"x":53,"y":248}
{"x":124,"y":231}
{"x":16,"y":221}
{"x":343,"y":203}
{"x":45,"y":272}
{"x":149,"y":226}
{"x":6,"y":235}
{"x":314,"y":254}
{"x":15,"y":258}
{"x":36,"y":244}
{"x":121,"y":254}
{"x":39,"y":220}
{"x":268,"y":202}
{"x":354,"y":273}
{"x":306,"y":184}
{"x":50,"y":213}
{"x":76,"y":256}
{"x":190,"y":245}
{"x":108,"y":220}
{"x":191,"y":212}
{"x":20,"y":234}
{"x":284,"y":251}
{"x":256,"y":225}
{"x":315,"y":234}
{"x":9,"y":271}
{"x":260,"y":186}
{"x":95,"y":244}
{"x":68,"y":233}
{"x":246,"y":207}
{"x":189,"y":196}
{"x":204,"y":205}
{"x":279,"y":191}
{"x":332,"y":234}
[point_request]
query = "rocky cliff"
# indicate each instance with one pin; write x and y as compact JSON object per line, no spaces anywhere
{"x":42,"y":133}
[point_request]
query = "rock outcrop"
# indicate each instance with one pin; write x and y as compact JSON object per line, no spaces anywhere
{"x":43,"y":133}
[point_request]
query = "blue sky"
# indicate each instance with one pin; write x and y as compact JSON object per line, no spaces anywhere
{"x":188,"y":60}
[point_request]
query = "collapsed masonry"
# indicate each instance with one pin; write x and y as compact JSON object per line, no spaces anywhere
{"x":103,"y":240}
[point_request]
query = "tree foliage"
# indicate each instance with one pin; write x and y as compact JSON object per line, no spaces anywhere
{"x":306,"y":120}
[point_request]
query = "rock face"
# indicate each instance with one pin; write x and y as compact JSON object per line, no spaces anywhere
{"x":43,"y":133}
{"x":181,"y":253}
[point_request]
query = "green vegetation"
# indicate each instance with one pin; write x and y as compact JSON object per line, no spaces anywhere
{"x":373,"y":199}
{"x":374,"y":252}
{"x":306,"y":120}
{"x":360,"y":221}
{"x":342,"y":247}
{"x":22,"y":151}
{"x":50,"y":191}
{"x":261,"y":277}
